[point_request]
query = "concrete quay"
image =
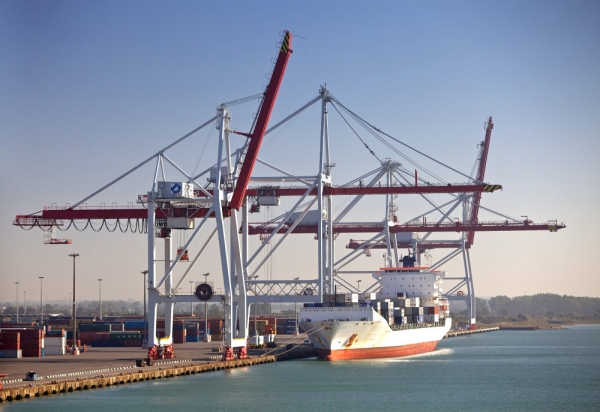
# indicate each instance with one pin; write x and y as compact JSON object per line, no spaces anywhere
{"x":53,"y":387}
{"x":100,"y":367}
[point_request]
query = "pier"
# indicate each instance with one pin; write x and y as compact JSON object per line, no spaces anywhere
{"x":469,"y":332}
{"x":104,"y":367}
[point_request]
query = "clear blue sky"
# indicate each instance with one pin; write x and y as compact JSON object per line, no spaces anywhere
{"x":90,"y":89}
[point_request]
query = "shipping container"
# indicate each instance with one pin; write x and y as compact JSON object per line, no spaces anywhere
{"x":32,"y":352}
{"x":11,"y":353}
{"x":54,"y":351}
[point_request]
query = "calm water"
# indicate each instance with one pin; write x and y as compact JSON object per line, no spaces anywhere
{"x":498,"y":371}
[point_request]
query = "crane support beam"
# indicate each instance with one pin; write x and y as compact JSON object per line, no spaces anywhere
{"x":262,"y":121}
{"x":102,"y":213}
{"x":433,"y":227}
{"x":377,"y":190}
{"x":53,"y":217}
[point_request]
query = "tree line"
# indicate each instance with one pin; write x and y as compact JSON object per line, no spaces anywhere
{"x":546,"y":304}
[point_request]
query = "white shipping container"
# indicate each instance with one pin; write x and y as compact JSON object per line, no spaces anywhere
{"x":54,"y":351}
{"x":52,"y":341}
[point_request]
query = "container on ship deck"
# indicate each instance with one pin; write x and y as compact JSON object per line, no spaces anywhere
{"x":399,"y":312}
{"x":404,"y":303}
{"x":421,"y":318}
{"x":415,"y":301}
{"x":401,"y":320}
{"x":428,"y":301}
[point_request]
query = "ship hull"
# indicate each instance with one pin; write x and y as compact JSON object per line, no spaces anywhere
{"x":376,"y":353}
{"x":359,"y":333}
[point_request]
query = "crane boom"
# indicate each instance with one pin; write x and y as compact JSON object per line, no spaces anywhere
{"x":480,"y":175}
{"x":260,"y":127}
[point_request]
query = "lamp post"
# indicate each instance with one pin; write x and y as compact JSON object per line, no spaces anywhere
{"x":358,"y":285}
{"x":24,"y":303}
{"x":17,"y":283}
{"x":145,"y":340}
{"x":255,"y":306}
{"x":74,"y":342}
{"x":100,"y":287}
{"x":206,"y":311}
{"x":296,"y":308}
{"x":192,"y":293}
{"x":41,"y":302}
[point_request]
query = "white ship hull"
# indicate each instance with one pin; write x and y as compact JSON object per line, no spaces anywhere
{"x":358,"y":332}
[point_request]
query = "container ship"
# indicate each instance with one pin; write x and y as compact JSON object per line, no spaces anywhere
{"x":407,"y":316}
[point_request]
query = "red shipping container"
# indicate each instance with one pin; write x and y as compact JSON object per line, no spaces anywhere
{"x":179,"y":336}
{"x":10,"y":336}
{"x":31,"y":334}
{"x":8,"y":345}
{"x":28,"y":343}
{"x":32,"y":352}
{"x":101,"y":335}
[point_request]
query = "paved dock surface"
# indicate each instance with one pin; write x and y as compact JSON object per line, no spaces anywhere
{"x":107,"y":361}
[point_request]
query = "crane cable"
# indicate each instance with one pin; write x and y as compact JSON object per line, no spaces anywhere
{"x":399,"y":141}
{"x":367,"y":126}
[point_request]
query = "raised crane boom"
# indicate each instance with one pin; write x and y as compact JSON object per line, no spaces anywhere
{"x":485,"y":147}
{"x":260,"y":127}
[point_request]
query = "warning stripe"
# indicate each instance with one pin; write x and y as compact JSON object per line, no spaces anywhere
{"x":491,"y":188}
{"x":285,"y":45}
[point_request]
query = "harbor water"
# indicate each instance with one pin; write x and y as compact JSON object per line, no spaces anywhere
{"x":554,"y":370}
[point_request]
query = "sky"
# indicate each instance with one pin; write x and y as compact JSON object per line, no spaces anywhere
{"x":91,"y":89}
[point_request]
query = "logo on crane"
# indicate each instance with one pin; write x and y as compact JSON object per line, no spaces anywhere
{"x":175,"y":188}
